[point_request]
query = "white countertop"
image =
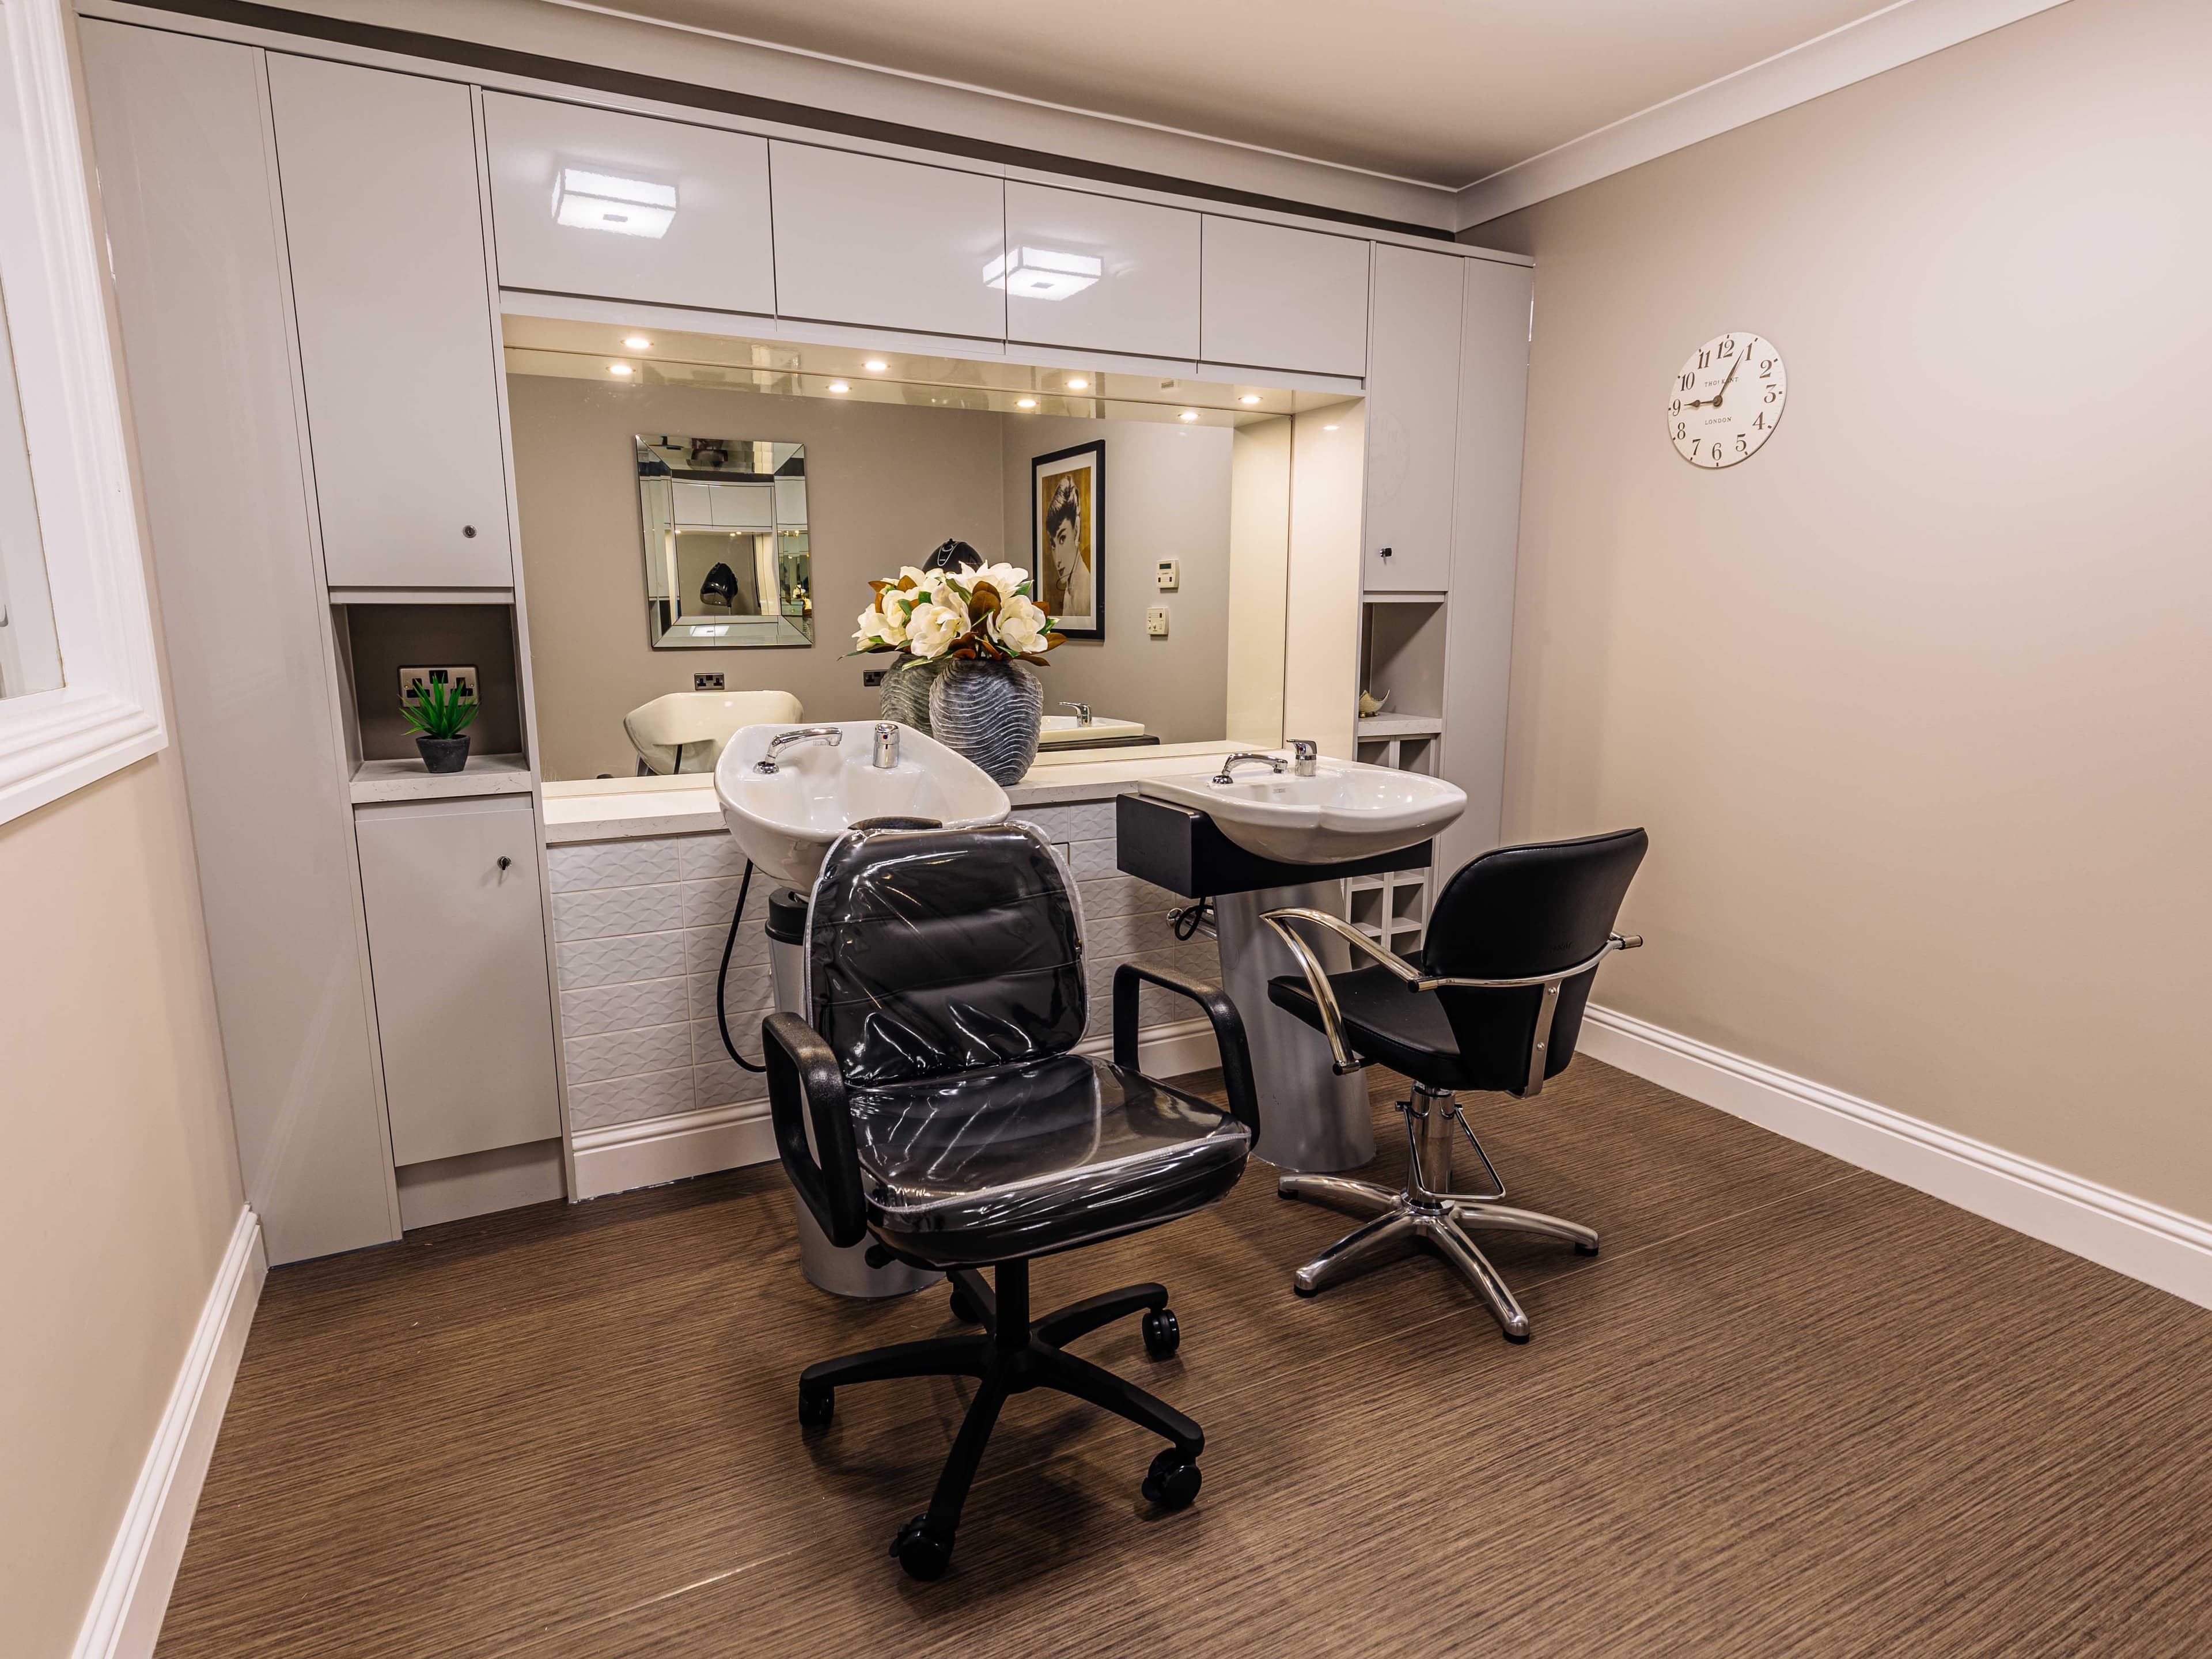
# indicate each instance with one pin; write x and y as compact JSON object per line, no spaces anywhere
{"x":614,"y":809}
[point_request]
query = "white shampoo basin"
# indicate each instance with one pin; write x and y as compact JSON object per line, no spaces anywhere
{"x":784,"y":821}
{"x":1345,"y":811}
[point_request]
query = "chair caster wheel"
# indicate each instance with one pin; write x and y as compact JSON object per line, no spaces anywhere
{"x":1162,"y":1336}
{"x":816,"y":1406}
{"x":923,"y":1550}
{"x":1173,"y":1480}
{"x":963,"y":1310}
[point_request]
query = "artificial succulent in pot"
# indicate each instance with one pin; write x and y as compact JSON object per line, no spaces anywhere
{"x":967,"y":640}
{"x":438,"y":712}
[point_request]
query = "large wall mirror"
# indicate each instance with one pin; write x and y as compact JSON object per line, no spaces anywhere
{"x":726,"y":559}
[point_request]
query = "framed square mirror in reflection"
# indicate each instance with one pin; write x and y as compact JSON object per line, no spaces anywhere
{"x":726,"y":558}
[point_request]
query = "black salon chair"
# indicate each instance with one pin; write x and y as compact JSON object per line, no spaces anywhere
{"x":950,"y":1120}
{"x":1495,"y":1002}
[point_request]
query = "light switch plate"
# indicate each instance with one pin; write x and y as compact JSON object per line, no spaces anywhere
{"x":1156,"y":622}
{"x":1168,"y":574}
{"x":461,"y":676}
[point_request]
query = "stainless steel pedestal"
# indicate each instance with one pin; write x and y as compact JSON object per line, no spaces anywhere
{"x":1310,"y":1119}
{"x":840,"y":1272}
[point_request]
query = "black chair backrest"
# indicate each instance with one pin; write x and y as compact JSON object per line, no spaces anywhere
{"x":934,"y":951}
{"x":1519,"y":911}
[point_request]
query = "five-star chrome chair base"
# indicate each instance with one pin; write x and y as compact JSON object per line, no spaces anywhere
{"x":1427,"y":1212}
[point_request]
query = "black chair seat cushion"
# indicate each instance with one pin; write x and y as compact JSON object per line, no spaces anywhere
{"x":1406,"y":1031}
{"x":1043,"y":1155}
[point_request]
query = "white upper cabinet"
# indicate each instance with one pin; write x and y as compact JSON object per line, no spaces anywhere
{"x":1279,"y":298}
{"x":1100,"y":272}
{"x":887,"y":244}
{"x":1413,"y":420}
{"x":596,"y":201}
{"x":385,"y":233}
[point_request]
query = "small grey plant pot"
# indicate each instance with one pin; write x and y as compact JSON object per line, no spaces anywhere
{"x":990,"y":711}
{"x":444,"y":754}
{"x":905,"y":690}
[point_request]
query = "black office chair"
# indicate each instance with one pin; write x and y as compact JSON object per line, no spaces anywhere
{"x":952,"y":1122}
{"x":1495,"y":1002}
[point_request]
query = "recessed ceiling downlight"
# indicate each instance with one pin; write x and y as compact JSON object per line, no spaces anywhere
{"x":638,"y":343}
{"x":1024,"y":402}
{"x":839,"y":385}
{"x":623,"y":369}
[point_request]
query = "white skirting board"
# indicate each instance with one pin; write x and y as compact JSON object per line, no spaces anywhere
{"x":684,"y":1144}
{"x":2145,"y":1241}
{"x":126,"y":1615}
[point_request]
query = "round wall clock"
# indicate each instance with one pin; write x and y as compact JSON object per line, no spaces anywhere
{"x":1727,"y":400}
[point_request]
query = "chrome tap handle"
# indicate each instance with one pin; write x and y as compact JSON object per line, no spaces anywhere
{"x":1274,"y":763}
{"x":1304,"y":752}
{"x":1082,"y":711}
{"x":887,"y":745}
{"x":766,"y":765}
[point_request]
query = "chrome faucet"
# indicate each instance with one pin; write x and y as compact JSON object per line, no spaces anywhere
{"x":1082,"y":711}
{"x":782,"y":740}
{"x":887,"y":745}
{"x":1274,"y":763}
{"x":1304,"y":752}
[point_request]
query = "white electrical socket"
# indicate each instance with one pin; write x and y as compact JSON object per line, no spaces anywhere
{"x":1156,"y":622}
{"x":1167,"y":574}
{"x":462,"y":677}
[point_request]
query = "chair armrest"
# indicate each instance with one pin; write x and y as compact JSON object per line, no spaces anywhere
{"x":1220,"y":1013}
{"x":1324,"y":994}
{"x":803,"y":1082}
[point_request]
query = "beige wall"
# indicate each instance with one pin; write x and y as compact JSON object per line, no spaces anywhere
{"x":885,"y":484}
{"x":1167,"y":497}
{"x":1917,"y":702}
{"x":123,"y":1187}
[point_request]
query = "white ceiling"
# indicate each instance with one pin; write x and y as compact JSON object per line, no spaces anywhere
{"x":1445,"y":92}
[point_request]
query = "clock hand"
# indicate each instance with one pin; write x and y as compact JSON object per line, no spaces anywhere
{"x":1723,"y":392}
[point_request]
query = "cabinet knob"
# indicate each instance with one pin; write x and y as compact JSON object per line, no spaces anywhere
{"x":505,"y":861}
{"x":469,"y":531}
{"x":1386,"y":551}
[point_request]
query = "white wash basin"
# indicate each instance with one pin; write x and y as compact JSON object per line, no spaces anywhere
{"x":784,"y":822}
{"x":1062,"y":728}
{"x":1345,"y":811}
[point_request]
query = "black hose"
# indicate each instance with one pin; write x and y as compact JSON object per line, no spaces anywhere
{"x":1188,"y":920}
{"x":722,"y":980}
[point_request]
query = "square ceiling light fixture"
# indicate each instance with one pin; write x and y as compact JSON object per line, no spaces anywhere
{"x":1042,"y":273}
{"x":599,"y":201}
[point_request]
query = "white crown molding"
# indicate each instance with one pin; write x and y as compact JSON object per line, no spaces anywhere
{"x":2131,"y":1235}
{"x":1883,"y":40}
{"x":126,"y":1615}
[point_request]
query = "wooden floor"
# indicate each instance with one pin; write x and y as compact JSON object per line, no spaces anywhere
{"x":1791,"y":1409}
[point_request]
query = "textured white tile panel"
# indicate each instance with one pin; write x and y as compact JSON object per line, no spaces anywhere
{"x":1125,"y":896}
{"x":623,"y":1007}
{"x":611,"y":864}
{"x":601,"y":913}
{"x":586,"y":962}
{"x":708,"y":903}
{"x":630,"y":1099}
{"x":715,"y":1081}
{"x":703,"y":948}
{"x":749,"y":988}
{"x":626,"y":1053}
{"x":1092,"y":858}
{"x":709,"y":858}
{"x":1127,"y":936}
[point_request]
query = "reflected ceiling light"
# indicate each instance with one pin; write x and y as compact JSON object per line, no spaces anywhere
{"x":711,"y":629}
{"x":1024,"y":402}
{"x":638,"y":343}
{"x":839,"y":385}
{"x":619,"y":368}
{"x":875,"y":365}
{"x":1077,"y":383}
{"x":1042,"y":273}
{"x":1190,"y":414}
{"x":1331,"y":427}
{"x":1250,"y":398}
{"x":598,"y":201}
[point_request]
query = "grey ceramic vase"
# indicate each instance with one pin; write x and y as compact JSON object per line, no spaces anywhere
{"x":906,"y":690}
{"x":990,"y":711}
{"x":443,"y":754}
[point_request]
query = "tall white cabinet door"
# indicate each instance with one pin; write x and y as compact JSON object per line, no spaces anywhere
{"x":1099,"y":272}
{"x":386,"y":237}
{"x":626,"y":207}
{"x":1279,"y":298}
{"x":193,"y":235}
{"x":887,"y":244}
{"x":1485,"y":533}
{"x":457,"y":944}
{"x":1413,"y":421}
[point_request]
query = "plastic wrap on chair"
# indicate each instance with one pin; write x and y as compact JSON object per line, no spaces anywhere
{"x":933,"y":951}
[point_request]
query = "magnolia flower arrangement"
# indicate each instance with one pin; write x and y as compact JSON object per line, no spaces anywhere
{"x":978,"y":611}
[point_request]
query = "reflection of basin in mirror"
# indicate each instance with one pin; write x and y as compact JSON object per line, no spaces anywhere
{"x":1345,"y":811}
{"x":785,"y":820}
{"x":685,"y":730}
{"x":1063,"y":729}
